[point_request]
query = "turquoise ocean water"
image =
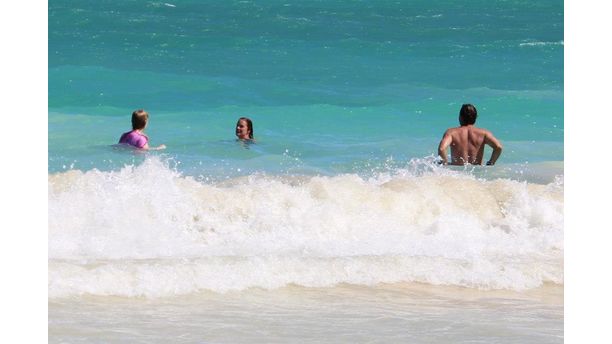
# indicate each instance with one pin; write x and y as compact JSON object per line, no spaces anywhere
{"x":338,"y":196}
{"x":329,"y":84}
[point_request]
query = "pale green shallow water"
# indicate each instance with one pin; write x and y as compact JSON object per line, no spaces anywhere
{"x":345,"y":314}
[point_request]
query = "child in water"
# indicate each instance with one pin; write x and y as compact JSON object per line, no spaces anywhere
{"x":136,"y":137}
{"x":244,"y":129}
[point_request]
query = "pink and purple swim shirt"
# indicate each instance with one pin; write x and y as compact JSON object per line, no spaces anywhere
{"x":134,"y":138}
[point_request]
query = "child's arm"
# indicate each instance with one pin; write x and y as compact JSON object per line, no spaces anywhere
{"x":146,"y":146}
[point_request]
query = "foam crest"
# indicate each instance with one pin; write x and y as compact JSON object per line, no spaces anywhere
{"x":148,"y":230}
{"x":538,"y":43}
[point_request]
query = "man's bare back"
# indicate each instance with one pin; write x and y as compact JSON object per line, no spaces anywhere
{"x":468,"y":142}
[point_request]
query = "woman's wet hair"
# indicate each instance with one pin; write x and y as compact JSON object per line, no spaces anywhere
{"x":249,"y":125}
{"x":468,"y":114}
{"x":139,"y":119}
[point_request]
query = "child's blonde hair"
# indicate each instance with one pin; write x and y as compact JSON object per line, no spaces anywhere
{"x":139,"y":119}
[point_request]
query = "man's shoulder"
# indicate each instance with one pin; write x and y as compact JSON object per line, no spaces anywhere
{"x":486,"y":131}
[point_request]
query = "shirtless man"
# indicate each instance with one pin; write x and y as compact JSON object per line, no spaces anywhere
{"x":467,"y":142}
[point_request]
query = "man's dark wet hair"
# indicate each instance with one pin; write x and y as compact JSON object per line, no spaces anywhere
{"x":468,"y":114}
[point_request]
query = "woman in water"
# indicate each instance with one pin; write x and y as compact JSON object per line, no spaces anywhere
{"x":244,"y":129}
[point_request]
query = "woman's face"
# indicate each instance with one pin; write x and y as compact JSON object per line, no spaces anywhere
{"x":242,"y":130}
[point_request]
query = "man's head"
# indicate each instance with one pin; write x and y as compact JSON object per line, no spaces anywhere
{"x":467,"y":115}
{"x":139,"y":119}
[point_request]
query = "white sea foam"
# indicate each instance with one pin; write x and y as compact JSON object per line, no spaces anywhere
{"x":538,"y":43}
{"x":148,"y":231}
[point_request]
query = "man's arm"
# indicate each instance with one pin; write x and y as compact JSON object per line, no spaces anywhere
{"x":447,"y":139}
{"x":495,"y":144}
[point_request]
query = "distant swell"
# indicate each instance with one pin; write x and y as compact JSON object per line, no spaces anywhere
{"x":539,"y":44}
{"x":148,"y":231}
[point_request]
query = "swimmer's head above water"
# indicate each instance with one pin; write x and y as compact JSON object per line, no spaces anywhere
{"x":467,"y":114}
{"x":139,"y":119}
{"x":244,"y":129}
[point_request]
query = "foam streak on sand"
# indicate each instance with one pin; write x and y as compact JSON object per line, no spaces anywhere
{"x":147,"y":230}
